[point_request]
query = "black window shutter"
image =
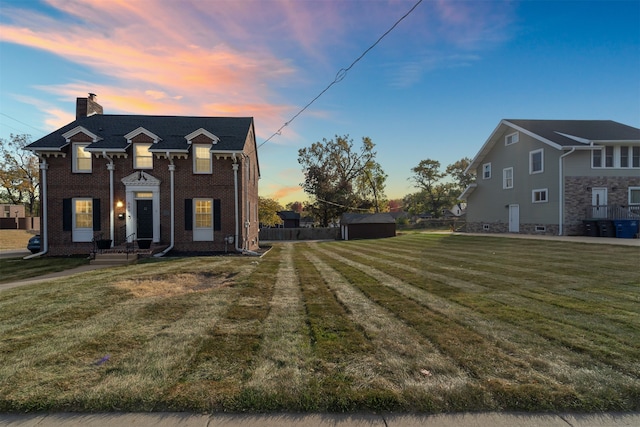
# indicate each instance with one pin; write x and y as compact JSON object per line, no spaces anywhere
{"x":217,"y":222}
{"x":66,"y":215}
{"x":188,"y":214}
{"x":96,"y":215}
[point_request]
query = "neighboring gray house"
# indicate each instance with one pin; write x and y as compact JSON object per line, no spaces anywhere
{"x":367,"y":226}
{"x":549,"y":176}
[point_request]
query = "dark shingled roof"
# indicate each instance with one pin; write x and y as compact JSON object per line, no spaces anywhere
{"x":371,"y":218}
{"x":288,"y":215}
{"x":592,"y":130}
{"x":171,"y":130}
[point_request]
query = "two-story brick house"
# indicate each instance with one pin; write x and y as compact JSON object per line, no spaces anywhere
{"x":185,"y":183}
{"x":553,"y":176}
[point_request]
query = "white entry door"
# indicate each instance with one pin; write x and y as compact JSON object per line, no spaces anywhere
{"x":514,"y":218}
{"x":599,"y":202}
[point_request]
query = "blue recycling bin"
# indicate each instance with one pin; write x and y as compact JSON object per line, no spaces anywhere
{"x":626,"y":228}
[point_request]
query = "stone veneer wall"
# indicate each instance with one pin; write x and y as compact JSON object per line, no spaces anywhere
{"x":577,"y":197}
{"x":503,"y":227}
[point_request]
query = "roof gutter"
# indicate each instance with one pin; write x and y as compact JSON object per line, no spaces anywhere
{"x":44,"y":228}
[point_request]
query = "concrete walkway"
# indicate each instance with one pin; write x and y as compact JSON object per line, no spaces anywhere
{"x":492,"y":419}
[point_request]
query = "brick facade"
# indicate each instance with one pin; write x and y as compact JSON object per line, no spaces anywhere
{"x":235,"y":146}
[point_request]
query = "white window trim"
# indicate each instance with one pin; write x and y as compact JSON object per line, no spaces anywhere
{"x":504,"y":178}
{"x":540,"y":190}
{"x":195,"y":159}
{"x":531,"y":154}
{"x":593,"y":152}
{"x":629,"y":191}
{"x":74,"y":158}
{"x":135,"y":156}
{"x":81,"y":234}
{"x":616,"y":157}
{"x":512,"y":138}
{"x":488,"y":168}
{"x":202,"y":234}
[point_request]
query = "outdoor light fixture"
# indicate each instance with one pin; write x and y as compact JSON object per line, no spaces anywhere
{"x":119,"y":204}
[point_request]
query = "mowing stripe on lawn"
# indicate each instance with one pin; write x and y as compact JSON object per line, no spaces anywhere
{"x":414,"y":373}
{"x":522,"y":288}
{"x":505,"y":377}
{"x":281,"y":374}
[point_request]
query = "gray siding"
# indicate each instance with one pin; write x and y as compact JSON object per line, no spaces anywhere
{"x":488,"y":202}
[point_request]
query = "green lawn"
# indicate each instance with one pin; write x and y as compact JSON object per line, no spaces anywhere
{"x":419,"y":322}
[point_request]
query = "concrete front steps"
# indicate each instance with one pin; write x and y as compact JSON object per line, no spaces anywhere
{"x":114,"y":258}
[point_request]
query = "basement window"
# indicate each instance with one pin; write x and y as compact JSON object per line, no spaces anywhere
{"x":541,"y":228}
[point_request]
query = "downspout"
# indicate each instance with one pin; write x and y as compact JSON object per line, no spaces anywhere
{"x":561,"y":191}
{"x":172,"y":169}
{"x":235,"y":204}
{"x":236,"y":208}
{"x":112,"y":222}
{"x":247,"y":224}
{"x":44,"y":227}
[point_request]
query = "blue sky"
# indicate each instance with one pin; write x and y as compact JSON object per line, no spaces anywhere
{"x":435,"y":87}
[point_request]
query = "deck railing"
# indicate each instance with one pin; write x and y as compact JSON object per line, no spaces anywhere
{"x":611,"y":212}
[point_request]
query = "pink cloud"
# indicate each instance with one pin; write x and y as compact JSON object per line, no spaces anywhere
{"x":226,"y":57}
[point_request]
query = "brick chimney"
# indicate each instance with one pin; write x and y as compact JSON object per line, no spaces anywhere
{"x":86,"y":107}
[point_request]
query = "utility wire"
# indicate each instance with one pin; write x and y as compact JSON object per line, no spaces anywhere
{"x":342,"y":73}
{"x":26,"y":124}
{"x":341,"y":206}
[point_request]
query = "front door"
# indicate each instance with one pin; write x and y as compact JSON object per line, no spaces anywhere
{"x":599,"y":203}
{"x":514,"y":218}
{"x":144,"y":209}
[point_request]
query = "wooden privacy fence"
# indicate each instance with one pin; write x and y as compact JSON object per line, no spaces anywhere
{"x":330,"y":233}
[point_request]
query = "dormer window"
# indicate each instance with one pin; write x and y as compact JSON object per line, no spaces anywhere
{"x":81,"y":158}
{"x":202,"y":163}
{"x":142,"y":157}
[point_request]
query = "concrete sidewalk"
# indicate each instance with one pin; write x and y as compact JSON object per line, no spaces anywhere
{"x":170,"y":419}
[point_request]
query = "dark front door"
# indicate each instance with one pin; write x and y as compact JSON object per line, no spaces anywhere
{"x":145,"y":219}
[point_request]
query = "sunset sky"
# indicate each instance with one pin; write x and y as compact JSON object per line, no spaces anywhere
{"x":435,"y":87}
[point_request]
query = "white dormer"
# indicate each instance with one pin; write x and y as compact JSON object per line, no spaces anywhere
{"x":80,"y":129}
{"x":204,"y":132}
{"x":142,"y":130}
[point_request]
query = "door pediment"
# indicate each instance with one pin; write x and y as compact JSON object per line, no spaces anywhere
{"x":140,"y":179}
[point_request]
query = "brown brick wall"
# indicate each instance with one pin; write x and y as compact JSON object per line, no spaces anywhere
{"x":62,"y":183}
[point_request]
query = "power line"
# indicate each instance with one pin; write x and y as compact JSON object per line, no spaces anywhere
{"x":341,"y":206}
{"x":341,"y":74}
{"x":26,"y":124}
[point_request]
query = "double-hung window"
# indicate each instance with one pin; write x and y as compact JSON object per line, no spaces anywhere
{"x":142,"y":157}
{"x":81,"y":158}
{"x":507,"y":178}
{"x":536,"y":161}
{"x":202,"y":162}
{"x":634,"y":200}
{"x":608,"y":157}
{"x":486,"y":171}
